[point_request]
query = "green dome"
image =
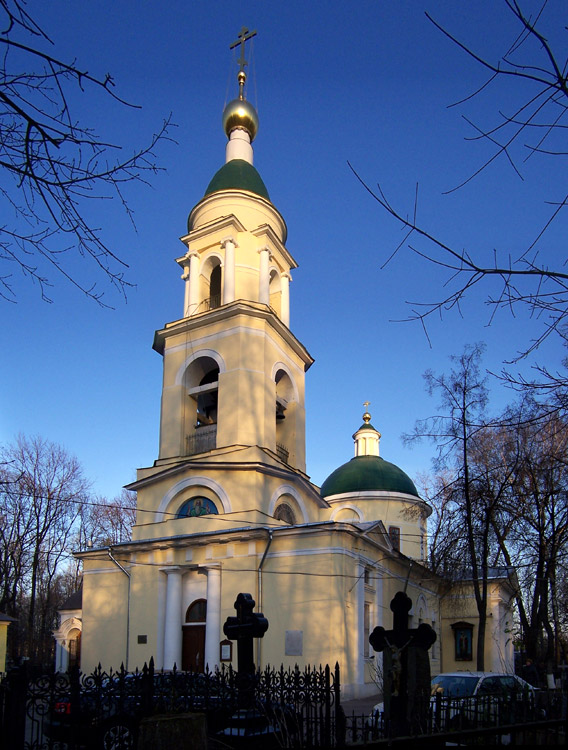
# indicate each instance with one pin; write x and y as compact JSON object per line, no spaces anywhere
{"x":238,"y":174}
{"x":368,"y":473}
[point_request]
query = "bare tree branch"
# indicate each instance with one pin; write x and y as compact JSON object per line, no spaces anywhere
{"x":52,"y":164}
{"x":526,"y":281}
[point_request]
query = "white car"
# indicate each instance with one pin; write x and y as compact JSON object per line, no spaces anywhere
{"x":462,"y":684}
{"x":466,"y":699}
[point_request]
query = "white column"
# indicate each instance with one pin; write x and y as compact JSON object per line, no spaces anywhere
{"x":186,"y":278}
{"x":264,"y":280}
{"x":213,"y":622}
{"x":285,"y":301}
{"x":193,"y":286}
{"x":61,"y":656}
{"x":172,"y":629}
{"x":379,"y":615}
{"x":229,"y":245}
{"x":360,"y":653}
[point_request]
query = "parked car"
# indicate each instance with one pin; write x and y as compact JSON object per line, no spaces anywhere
{"x":98,"y":717}
{"x":463,"y":684}
{"x":466,"y":699}
{"x":106,"y":715}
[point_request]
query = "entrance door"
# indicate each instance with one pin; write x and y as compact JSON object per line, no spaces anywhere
{"x":193,"y":648}
{"x":75,"y":648}
{"x":193,"y":643}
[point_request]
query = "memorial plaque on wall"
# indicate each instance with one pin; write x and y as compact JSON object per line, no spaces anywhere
{"x":294,"y":643}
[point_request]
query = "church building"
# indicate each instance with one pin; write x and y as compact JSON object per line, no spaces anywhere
{"x":228,"y":507}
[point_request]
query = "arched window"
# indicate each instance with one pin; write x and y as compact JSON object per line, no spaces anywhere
{"x":202,"y":382}
{"x":74,"y":648}
{"x":215,"y":287}
{"x":346,"y":515}
{"x":285,"y":513}
{"x":274,"y":290}
{"x":285,"y":411}
{"x":197,"y":506}
{"x":197,"y":611}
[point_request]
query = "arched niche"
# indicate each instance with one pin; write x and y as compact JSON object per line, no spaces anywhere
{"x":201,"y":381}
{"x":275,"y":290}
{"x":287,"y":495}
{"x":286,"y":403}
{"x":211,"y":283}
{"x":190,"y":487}
{"x":347,"y":513}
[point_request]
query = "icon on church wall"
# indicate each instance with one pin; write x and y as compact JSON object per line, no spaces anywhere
{"x":463,"y":638}
{"x":197,"y":506}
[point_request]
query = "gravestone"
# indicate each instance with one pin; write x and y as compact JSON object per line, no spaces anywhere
{"x":406,"y":684}
{"x":243,"y":628}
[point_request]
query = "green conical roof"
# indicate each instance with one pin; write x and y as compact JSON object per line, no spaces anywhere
{"x":238,"y":174}
{"x":368,"y":473}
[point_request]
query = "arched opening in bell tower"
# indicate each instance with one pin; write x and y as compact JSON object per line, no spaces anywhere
{"x":207,"y":398}
{"x":215,"y":287}
{"x":210,"y":284}
{"x":285,"y":416}
{"x":274,"y":290}
{"x":202,"y":383}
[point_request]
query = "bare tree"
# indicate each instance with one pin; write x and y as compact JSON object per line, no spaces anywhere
{"x":102,"y":523}
{"x":13,"y":554}
{"x":108,"y":522}
{"x":51,"y":164}
{"x":455,"y":429}
{"x":517,"y":497}
{"x":532,"y":528}
{"x":536,"y":128}
{"x":42,"y":490}
{"x":447,"y":550}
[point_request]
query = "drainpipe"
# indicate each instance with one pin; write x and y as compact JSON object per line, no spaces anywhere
{"x":259,"y":597}
{"x":127,"y":574}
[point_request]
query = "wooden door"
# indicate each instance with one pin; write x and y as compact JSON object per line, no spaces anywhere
{"x":193,"y":648}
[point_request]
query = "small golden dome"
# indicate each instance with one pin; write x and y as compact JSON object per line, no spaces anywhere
{"x":240,"y":114}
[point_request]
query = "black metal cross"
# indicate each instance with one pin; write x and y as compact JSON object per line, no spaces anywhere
{"x":243,"y":628}
{"x":243,"y":37}
{"x":406,"y":666}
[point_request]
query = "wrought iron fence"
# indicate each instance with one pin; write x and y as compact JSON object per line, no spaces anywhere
{"x":57,"y":711}
{"x":540,"y":718}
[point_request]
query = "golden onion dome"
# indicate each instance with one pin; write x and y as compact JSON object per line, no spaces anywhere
{"x":240,"y":114}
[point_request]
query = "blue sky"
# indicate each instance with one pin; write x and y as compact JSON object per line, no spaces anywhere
{"x":365,"y":82}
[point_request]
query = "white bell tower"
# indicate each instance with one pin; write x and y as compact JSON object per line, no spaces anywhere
{"x":233,"y":370}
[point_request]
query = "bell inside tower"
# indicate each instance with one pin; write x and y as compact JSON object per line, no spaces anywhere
{"x":285,"y":416}
{"x":207,"y":399}
{"x":202,"y":384}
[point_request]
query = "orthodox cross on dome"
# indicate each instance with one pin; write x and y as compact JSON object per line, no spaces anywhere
{"x":366,"y":415}
{"x":243,"y":36}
